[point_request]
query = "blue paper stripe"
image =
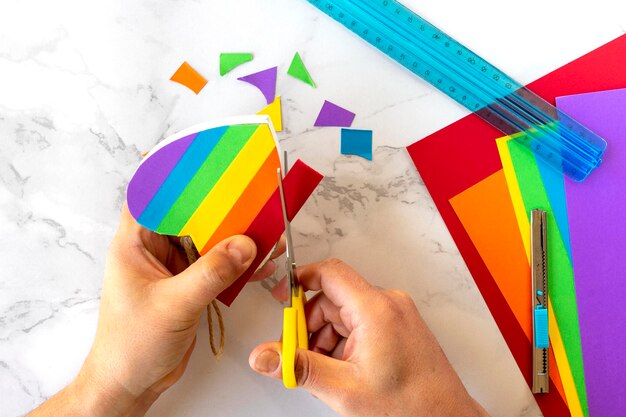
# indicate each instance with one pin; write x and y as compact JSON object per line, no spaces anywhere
{"x":180,"y":176}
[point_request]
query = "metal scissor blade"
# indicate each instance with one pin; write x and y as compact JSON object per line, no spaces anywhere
{"x":291,"y":262}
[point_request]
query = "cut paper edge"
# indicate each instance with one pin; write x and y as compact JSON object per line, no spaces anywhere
{"x":333,"y":115}
{"x":275,"y":113}
{"x":298,"y":70}
{"x":231,"y":60}
{"x":567,"y":378}
{"x":266,"y":229}
{"x":265,"y":81}
{"x":356,"y":142}
{"x":189,"y":77}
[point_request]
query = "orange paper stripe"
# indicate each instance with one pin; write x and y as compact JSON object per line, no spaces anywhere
{"x":249,"y":204}
{"x":189,"y":77}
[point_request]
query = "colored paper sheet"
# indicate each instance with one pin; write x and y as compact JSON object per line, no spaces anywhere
{"x":230,"y":61}
{"x":268,"y":226}
{"x":521,"y":212}
{"x":486,"y":211}
{"x":209,"y":184}
{"x":561,"y":283}
{"x":298,"y":70}
{"x":598,"y":241}
{"x":356,"y":142}
{"x":265,"y":81}
{"x":334,"y":115}
{"x":275,"y":113}
{"x":462,"y":154}
{"x":189,"y":77}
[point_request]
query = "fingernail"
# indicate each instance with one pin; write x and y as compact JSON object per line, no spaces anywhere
{"x":241,"y":249}
{"x":267,"y":361}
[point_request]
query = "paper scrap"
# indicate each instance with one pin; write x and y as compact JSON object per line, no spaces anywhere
{"x":189,"y":77}
{"x":598,"y":241}
{"x":356,"y":142}
{"x":195,"y":184}
{"x":265,"y":81}
{"x":229,"y":61}
{"x":334,"y":115}
{"x":562,"y":262}
{"x":298,"y":70}
{"x":462,"y":154}
{"x":300,"y":181}
{"x":274,"y":111}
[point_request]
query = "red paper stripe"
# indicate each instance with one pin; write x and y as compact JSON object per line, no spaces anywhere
{"x":268,"y":226}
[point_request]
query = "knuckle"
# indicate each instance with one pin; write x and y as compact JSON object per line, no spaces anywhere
{"x":334,"y":262}
{"x":217,"y":272}
{"x":401,"y":297}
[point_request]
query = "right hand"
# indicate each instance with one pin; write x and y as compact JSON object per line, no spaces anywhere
{"x":371,"y":353}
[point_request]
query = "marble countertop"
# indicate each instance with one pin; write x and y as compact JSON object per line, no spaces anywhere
{"x":84,"y":91}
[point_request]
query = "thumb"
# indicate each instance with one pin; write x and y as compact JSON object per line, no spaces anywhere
{"x":327,"y":378}
{"x":213,"y":272}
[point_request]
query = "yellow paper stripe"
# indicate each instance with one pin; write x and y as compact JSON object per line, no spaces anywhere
{"x":220,"y":200}
{"x":565,"y":371}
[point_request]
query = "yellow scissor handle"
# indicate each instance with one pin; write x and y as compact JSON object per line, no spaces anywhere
{"x":295,"y":336}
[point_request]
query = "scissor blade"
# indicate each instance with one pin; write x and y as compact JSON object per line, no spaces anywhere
{"x":291,"y":262}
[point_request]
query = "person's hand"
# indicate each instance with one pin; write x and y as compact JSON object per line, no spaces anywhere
{"x":371,"y":353}
{"x":149,"y":313}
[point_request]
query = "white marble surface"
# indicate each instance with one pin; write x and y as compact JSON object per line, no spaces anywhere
{"x":84,"y":91}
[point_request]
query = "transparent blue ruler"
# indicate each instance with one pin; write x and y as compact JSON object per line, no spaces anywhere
{"x":462,"y":75}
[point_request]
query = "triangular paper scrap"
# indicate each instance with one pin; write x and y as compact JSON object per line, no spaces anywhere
{"x":274,"y":111}
{"x":333,"y":115}
{"x":299,"y":71}
{"x":265,"y":81}
{"x":189,"y":77}
{"x":229,"y":61}
{"x":356,"y":142}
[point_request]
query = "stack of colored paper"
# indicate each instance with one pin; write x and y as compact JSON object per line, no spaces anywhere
{"x":485,"y":186}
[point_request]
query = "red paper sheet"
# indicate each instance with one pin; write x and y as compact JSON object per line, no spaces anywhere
{"x":267,"y":227}
{"x":464,"y":153}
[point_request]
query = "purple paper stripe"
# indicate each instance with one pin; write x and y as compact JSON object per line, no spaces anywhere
{"x":141,"y":189}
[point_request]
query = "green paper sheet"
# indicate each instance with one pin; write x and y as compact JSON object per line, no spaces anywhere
{"x":229,"y":61}
{"x":299,"y":71}
{"x":560,"y":272}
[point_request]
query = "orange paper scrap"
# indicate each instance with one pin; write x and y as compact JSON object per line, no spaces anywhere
{"x":189,"y":77}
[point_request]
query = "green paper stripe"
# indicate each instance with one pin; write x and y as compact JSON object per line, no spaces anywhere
{"x":561,"y":276}
{"x":206,"y":177}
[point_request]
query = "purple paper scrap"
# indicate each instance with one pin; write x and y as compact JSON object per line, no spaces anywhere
{"x":334,"y":115}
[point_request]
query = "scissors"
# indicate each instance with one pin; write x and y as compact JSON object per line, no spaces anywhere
{"x":295,"y":333}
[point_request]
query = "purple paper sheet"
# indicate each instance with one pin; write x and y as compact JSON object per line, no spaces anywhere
{"x":598,"y":241}
{"x":334,"y":115}
{"x":265,"y":81}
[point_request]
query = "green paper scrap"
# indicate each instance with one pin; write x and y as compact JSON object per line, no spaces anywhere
{"x":299,"y":71}
{"x":561,"y":282}
{"x":229,"y":61}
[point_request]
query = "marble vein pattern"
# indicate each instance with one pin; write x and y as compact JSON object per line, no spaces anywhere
{"x":84,"y":91}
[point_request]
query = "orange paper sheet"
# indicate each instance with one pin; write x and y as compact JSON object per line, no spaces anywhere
{"x":487,"y":214}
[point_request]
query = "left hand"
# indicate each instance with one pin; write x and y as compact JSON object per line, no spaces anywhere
{"x":149,"y":313}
